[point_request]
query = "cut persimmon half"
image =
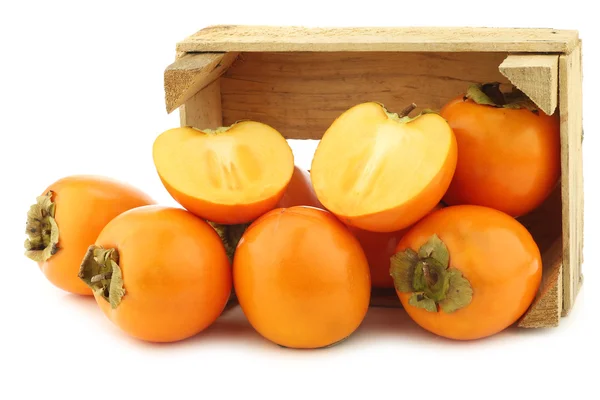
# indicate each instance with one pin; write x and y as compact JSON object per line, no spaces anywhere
{"x":230,"y":175}
{"x":381,"y":171}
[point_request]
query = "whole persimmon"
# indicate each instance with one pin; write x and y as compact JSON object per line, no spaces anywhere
{"x":66,"y":220}
{"x":382,"y":171}
{"x":509,"y":150}
{"x":379,"y":247}
{"x":230,"y":175}
{"x":301,"y":278}
{"x":299,"y":191}
{"x":160,"y":274}
{"x":466,"y":272}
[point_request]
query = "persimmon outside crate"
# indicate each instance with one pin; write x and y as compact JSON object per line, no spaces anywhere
{"x":298,"y":80}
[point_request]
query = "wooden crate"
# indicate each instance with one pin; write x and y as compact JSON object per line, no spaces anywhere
{"x":298,"y":80}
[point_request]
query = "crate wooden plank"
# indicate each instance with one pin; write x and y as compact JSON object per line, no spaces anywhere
{"x":301,"y":94}
{"x":203,"y":110}
{"x":545,"y":311}
{"x":571,"y":127}
{"x":276,"y":38}
{"x":190,"y":73}
{"x":536,"y":75}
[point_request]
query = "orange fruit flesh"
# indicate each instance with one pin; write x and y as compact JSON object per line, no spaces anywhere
{"x":247,"y":163}
{"x":369,"y":162}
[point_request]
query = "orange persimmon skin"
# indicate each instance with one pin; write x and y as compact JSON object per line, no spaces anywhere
{"x":84,"y":205}
{"x":299,"y":191}
{"x":379,"y":247}
{"x":509,"y":158}
{"x":301,"y":278}
{"x":229,"y":214}
{"x":176,"y":275}
{"x":495,"y":253}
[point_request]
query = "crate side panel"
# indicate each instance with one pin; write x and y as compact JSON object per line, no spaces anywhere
{"x":545,"y":225}
{"x":203,"y":110}
{"x":287,"y":38}
{"x":301,"y":94}
{"x":570,"y":99}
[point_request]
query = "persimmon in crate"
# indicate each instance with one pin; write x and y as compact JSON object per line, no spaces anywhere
{"x":300,"y":80}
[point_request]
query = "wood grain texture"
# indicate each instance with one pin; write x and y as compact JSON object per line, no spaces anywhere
{"x":545,"y":225}
{"x":301,"y":94}
{"x":545,"y":311}
{"x":571,"y":129}
{"x":203,"y":110}
{"x":536,"y":75}
{"x":274,"y":38}
{"x":190,"y":73}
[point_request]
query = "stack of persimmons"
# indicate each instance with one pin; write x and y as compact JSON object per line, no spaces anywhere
{"x":422,"y":204}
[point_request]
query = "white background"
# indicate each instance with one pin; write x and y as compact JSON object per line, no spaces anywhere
{"x":81,"y":92}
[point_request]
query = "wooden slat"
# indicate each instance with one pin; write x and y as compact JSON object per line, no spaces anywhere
{"x":203,"y":110}
{"x":301,"y":94}
{"x":273,"y":38}
{"x":190,"y":73}
{"x":545,"y":312}
{"x":535,"y":75}
{"x":570,"y":99}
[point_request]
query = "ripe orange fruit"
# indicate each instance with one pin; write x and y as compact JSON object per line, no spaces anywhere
{"x":301,"y":278}
{"x":509,"y":157}
{"x":67,"y":219}
{"x":380,"y":171}
{"x":299,"y":191}
{"x":230,"y":175}
{"x":467,"y":272}
{"x":379,"y":247}
{"x":159,"y":273}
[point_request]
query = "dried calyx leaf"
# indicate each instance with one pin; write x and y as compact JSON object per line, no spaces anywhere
{"x":230,"y":236}
{"x":427,"y":276}
{"x":490,"y":94}
{"x":41,"y":229}
{"x":101,"y":272}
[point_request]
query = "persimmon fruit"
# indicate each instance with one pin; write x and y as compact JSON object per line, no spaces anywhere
{"x":299,"y":191}
{"x":381,"y":171}
{"x":466,"y":272}
{"x":509,"y":150}
{"x":158,"y":273}
{"x":301,"y":278}
{"x":230,"y":175}
{"x":67,"y":218}
{"x":379,"y":247}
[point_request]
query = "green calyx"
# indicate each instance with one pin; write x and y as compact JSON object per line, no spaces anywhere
{"x":230,"y":236}
{"x":41,"y":229}
{"x":101,"y":272}
{"x":404,"y":115}
{"x":489,"y":94}
{"x":427,"y":276}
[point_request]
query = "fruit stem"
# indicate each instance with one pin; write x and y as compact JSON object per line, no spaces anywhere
{"x":407,"y":110}
{"x":100,"y":271}
{"x":431,"y":277}
{"x":492,"y":90}
{"x":41,"y":229}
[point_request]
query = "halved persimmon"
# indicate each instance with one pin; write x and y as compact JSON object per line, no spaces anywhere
{"x":382,"y":171}
{"x":230,"y":175}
